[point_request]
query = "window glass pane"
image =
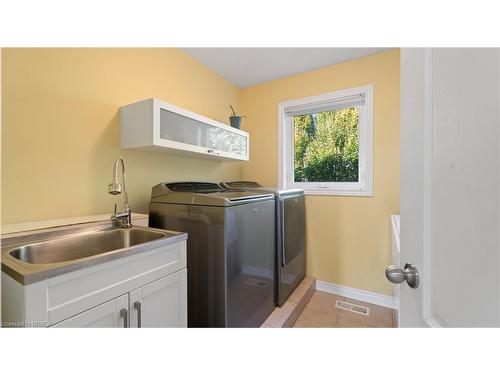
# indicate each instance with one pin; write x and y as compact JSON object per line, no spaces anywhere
{"x":326,"y":146}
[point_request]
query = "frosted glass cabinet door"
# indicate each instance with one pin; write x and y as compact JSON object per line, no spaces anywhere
{"x":224,"y":140}
{"x":178,"y":128}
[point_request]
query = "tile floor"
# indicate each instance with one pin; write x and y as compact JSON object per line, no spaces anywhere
{"x":322,"y":312}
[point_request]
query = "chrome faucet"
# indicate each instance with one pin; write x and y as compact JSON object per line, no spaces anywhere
{"x":122,"y":219}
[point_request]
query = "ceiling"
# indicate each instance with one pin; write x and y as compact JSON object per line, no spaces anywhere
{"x":249,"y":66}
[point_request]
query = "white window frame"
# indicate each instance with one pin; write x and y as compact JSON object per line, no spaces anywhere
{"x":364,"y":187}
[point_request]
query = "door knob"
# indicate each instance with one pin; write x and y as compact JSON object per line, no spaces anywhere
{"x":397,"y":275}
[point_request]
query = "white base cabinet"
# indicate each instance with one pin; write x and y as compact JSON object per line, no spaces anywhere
{"x":108,"y":315}
{"x":162,"y":303}
{"x":142,"y":290}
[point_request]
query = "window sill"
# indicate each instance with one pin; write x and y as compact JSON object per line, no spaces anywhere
{"x":348,"y":193}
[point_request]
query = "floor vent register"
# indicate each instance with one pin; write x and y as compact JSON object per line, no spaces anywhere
{"x":352,"y":307}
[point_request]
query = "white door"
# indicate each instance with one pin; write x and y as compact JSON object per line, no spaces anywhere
{"x":162,"y":303}
{"x":111,"y":314}
{"x":450,"y":188}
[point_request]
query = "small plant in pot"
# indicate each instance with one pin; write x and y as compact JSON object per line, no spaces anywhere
{"x":235,"y":119}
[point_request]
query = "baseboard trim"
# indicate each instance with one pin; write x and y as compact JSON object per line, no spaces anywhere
{"x":359,"y":294}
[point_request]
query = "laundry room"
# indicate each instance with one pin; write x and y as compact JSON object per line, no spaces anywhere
{"x":156,"y":123}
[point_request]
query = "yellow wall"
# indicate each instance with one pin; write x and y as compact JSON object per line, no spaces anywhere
{"x":60,"y":126}
{"x":348,"y":237}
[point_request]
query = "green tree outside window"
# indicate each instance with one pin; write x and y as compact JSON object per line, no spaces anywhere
{"x":327,"y":146}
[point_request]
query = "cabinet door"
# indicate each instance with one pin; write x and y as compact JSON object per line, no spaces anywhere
{"x":189,"y":131}
{"x":162,"y":303}
{"x":111,"y":314}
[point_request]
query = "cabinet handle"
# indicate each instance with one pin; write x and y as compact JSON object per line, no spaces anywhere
{"x":137,"y":306}
{"x":124,"y":315}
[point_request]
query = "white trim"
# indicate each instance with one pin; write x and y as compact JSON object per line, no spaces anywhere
{"x":285,"y":146}
{"x":427,"y":202}
{"x":428,"y":313}
{"x":360,"y":295}
{"x":350,"y":193}
{"x":281,"y":151}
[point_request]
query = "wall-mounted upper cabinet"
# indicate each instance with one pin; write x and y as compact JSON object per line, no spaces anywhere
{"x":158,"y":126}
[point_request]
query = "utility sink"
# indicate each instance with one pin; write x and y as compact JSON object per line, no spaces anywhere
{"x":84,"y":245}
{"x":37,"y":255}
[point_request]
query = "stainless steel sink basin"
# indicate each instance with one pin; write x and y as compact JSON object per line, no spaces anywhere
{"x":37,"y":255}
{"x":84,"y":245}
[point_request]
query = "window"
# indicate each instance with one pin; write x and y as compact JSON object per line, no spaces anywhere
{"x":325,"y":143}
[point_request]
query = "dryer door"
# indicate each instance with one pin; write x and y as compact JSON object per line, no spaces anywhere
{"x":293,"y":228}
